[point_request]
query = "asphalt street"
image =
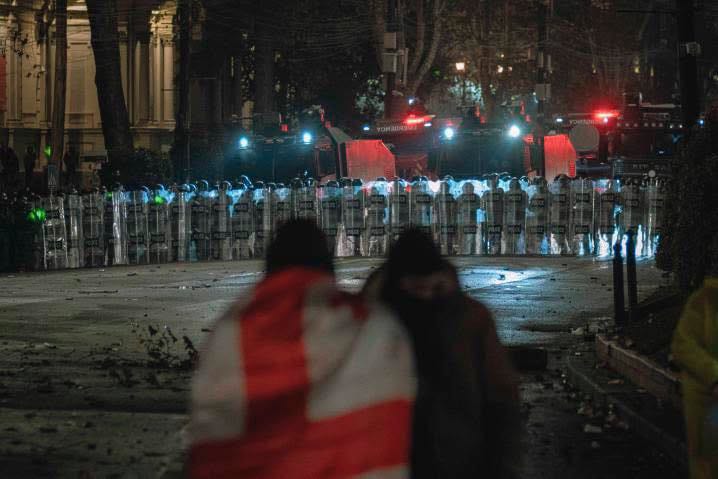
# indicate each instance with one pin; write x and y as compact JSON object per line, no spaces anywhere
{"x":94,"y":377}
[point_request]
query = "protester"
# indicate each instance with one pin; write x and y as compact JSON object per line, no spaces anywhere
{"x":29,"y":161}
{"x":71,"y":162}
{"x":11,"y":167}
{"x":695,"y":349}
{"x":466,"y":416}
{"x":302,"y":380}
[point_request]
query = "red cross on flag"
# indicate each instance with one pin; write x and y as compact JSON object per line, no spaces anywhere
{"x":304,"y":382}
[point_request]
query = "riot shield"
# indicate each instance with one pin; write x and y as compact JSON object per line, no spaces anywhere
{"x":306,"y":206}
{"x":352,"y":228}
{"x":159,"y":226}
{"x":281,"y":206}
{"x":656,"y":197}
{"x":560,"y":216}
{"x":377,"y":218}
{"x":262,"y":220}
{"x":331,"y":198}
{"x":179,"y":223}
{"x":445,"y":217}
{"x":493,"y":205}
{"x":608,"y":192}
{"x":93,"y":229}
{"x":633,"y":211}
{"x":469,"y":217}
{"x":200,"y":221}
{"x":583,"y":203}
{"x":73,"y":225}
{"x":420,"y":204}
{"x":537,"y":218}
{"x":221,"y":226}
{"x":514,"y":232}
{"x":242,"y":222}
{"x":137,"y":231}
{"x":399,"y":210}
{"x":54,"y":233}
{"x":115,"y":227}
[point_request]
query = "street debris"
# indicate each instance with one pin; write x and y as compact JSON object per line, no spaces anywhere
{"x":591,"y":429}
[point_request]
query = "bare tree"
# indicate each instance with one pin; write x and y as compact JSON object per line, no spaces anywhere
{"x":108,"y":79}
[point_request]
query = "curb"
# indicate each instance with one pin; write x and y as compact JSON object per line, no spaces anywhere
{"x":658,"y":381}
{"x":673,"y":447}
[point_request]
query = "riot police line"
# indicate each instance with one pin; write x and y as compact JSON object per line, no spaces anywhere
{"x":494,"y":215}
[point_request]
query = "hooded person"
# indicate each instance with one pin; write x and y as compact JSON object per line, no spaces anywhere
{"x":302,"y":380}
{"x":466,"y":417}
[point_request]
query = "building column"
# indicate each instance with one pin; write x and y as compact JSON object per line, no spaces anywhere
{"x":142,"y":79}
{"x":167,"y":82}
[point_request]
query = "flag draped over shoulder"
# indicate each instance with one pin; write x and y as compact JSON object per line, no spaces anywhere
{"x":303,"y":382}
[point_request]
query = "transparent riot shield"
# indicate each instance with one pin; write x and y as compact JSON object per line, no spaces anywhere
{"x":514,"y":232}
{"x":583,"y":204}
{"x":281,"y":206}
{"x":73,"y":225}
{"x":115,"y":227}
{"x":93,"y":228}
{"x":445,"y":217}
{"x":655,"y":198}
{"x":493,"y":205}
{"x":179,"y":223}
{"x":220,"y":222}
{"x":377,"y":218}
{"x":242,"y":222}
{"x":262,"y":220}
{"x":352,"y":228}
{"x":633,"y":211}
{"x":537,"y":218}
{"x":608,"y":192}
{"x":158,"y":224}
{"x":469,"y":217}
{"x":306,"y":205}
{"x":137,"y":230}
{"x":200,"y":220}
{"x":330,"y":200}
{"x":560,"y":216}
{"x":55,"y":251}
{"x":421,"y":206}
{"x":399,"y":210}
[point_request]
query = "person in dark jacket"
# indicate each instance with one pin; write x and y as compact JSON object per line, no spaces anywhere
{"x":466,"y":418}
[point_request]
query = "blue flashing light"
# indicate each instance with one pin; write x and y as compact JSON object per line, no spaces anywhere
{"x":244,"y":142}
{"x":306,"y":138}
{"x":366,"y":128}
{"x":514,"y":131}
{"x":559,"y":120}
{"x":449,"y":133}
{"x":427,"y":124}
{"x":701,"y":122}
{"x":412,"y":101}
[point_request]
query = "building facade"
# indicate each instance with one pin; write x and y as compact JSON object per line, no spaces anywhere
{"x":27,"y":57}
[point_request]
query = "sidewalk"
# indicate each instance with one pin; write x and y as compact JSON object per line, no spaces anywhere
{"x":643,"y":395}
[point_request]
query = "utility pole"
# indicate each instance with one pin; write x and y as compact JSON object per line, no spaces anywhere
{"x":390,"y":43}
{"x":58,"y":108}
{"x":688,"y":64}
{"x":183,"y":120}
{"x":542,"y":86}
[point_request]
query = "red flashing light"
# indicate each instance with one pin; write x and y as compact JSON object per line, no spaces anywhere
{"x":285,"y":128}
{"x":415,"y":120}
{"x":605,"y":115}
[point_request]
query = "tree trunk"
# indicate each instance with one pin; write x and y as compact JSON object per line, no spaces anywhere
{"x":420,"y":35}
{"x":433,"y":49}
{"x":181,"y":150}
{"x":264,"y":77}
{"x":58,"y":109}
{"x":108,"y":78}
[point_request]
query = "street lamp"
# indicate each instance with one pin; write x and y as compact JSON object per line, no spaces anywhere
{"x":461,"y":69}
{"x":460,"y":66}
